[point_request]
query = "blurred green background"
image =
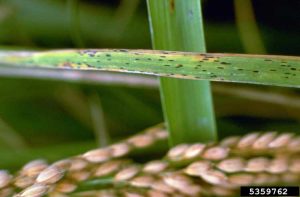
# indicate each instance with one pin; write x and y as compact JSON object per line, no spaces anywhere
{"x":53,"y":118}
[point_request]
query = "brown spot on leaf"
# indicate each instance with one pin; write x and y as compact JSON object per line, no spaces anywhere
{"x":172,"y":5}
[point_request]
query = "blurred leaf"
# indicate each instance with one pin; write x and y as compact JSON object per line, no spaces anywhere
{"x":9,"y":138}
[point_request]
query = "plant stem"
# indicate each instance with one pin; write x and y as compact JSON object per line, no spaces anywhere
{"x":98,"y":119}
{"x":74,"y":23}
{"x":187,"y":105}
{"x":247,"y":26}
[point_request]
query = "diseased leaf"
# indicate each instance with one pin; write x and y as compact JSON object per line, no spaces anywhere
{"x":255,"y":69}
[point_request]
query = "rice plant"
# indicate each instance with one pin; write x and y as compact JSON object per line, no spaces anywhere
{"x":101,"y":94}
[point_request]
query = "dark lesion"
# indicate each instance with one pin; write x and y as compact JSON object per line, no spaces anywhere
{"x":225,"y":63}
{"x":88,"y":52}
{"x":66,"y":65}
{"x":123,"y":50}
{"x":172,"y":5}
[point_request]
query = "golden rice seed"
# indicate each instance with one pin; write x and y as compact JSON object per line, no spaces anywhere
{"x":105,"y":193}
{"x":131,"y":194}
{"x":241,"y":179}
{"x":258,"y":164}
{"x":96,"y":193}
{"x":289,"y":177}
{"x":50,"y":175}
{"x":191,"y":190}
{"x":177,"y":194}
{"x":263,"y":141}
{"x":97,"y":155}
{"x":23,"y":181}
{"x":78,"y":164}
{"x":156,"y":128}
{"x":64,"y":164}
{"x":79,"y":176}
{"x":176,"y":153}
{"x":120,"y":149}
{"x":158,"y":133}
{"x":214,"y":177}
{"x":295,"y":165}
{"x":176,"y":180}
{"x":194,"y":151}
{"x":156,"y":193}
{"x":127,"y":173}
{"x":161,"y":134}
{"x":6,"y":192}
{"x":34,"y":167}
{"x":56,"y":194}
{"x":278,"y":165}
{"x":154,"y":167}
{"x":65,"y":186}
{"x":36,"y":190}
{"x":216,"y":153}
{"x":221,"y":191}
{"x":153,"y":129}
{"x":142,"y":181}
{"x":231,"y":165}
{"x":5,"y":178}
{"x":163,"y":187}
{"x":107,"y":168}
{"x":247,"y":140}
{"x":261,"y":178}
{"x":197,"y":168}
{"x":294,"y":145}
{"x":281,"y":141}
{"x":274,"y":179}
{"x":141,"y":141}
{"x":230,"y":141}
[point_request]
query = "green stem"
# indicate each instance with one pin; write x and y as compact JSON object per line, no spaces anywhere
{"x":124,"y":15}
{"x":187,"y":105}
{"x":98,"y":119}
{"x":247,"y":26}
{"x":74,"y":21}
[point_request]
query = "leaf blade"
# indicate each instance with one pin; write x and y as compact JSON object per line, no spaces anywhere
{"x":255,"y":69}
